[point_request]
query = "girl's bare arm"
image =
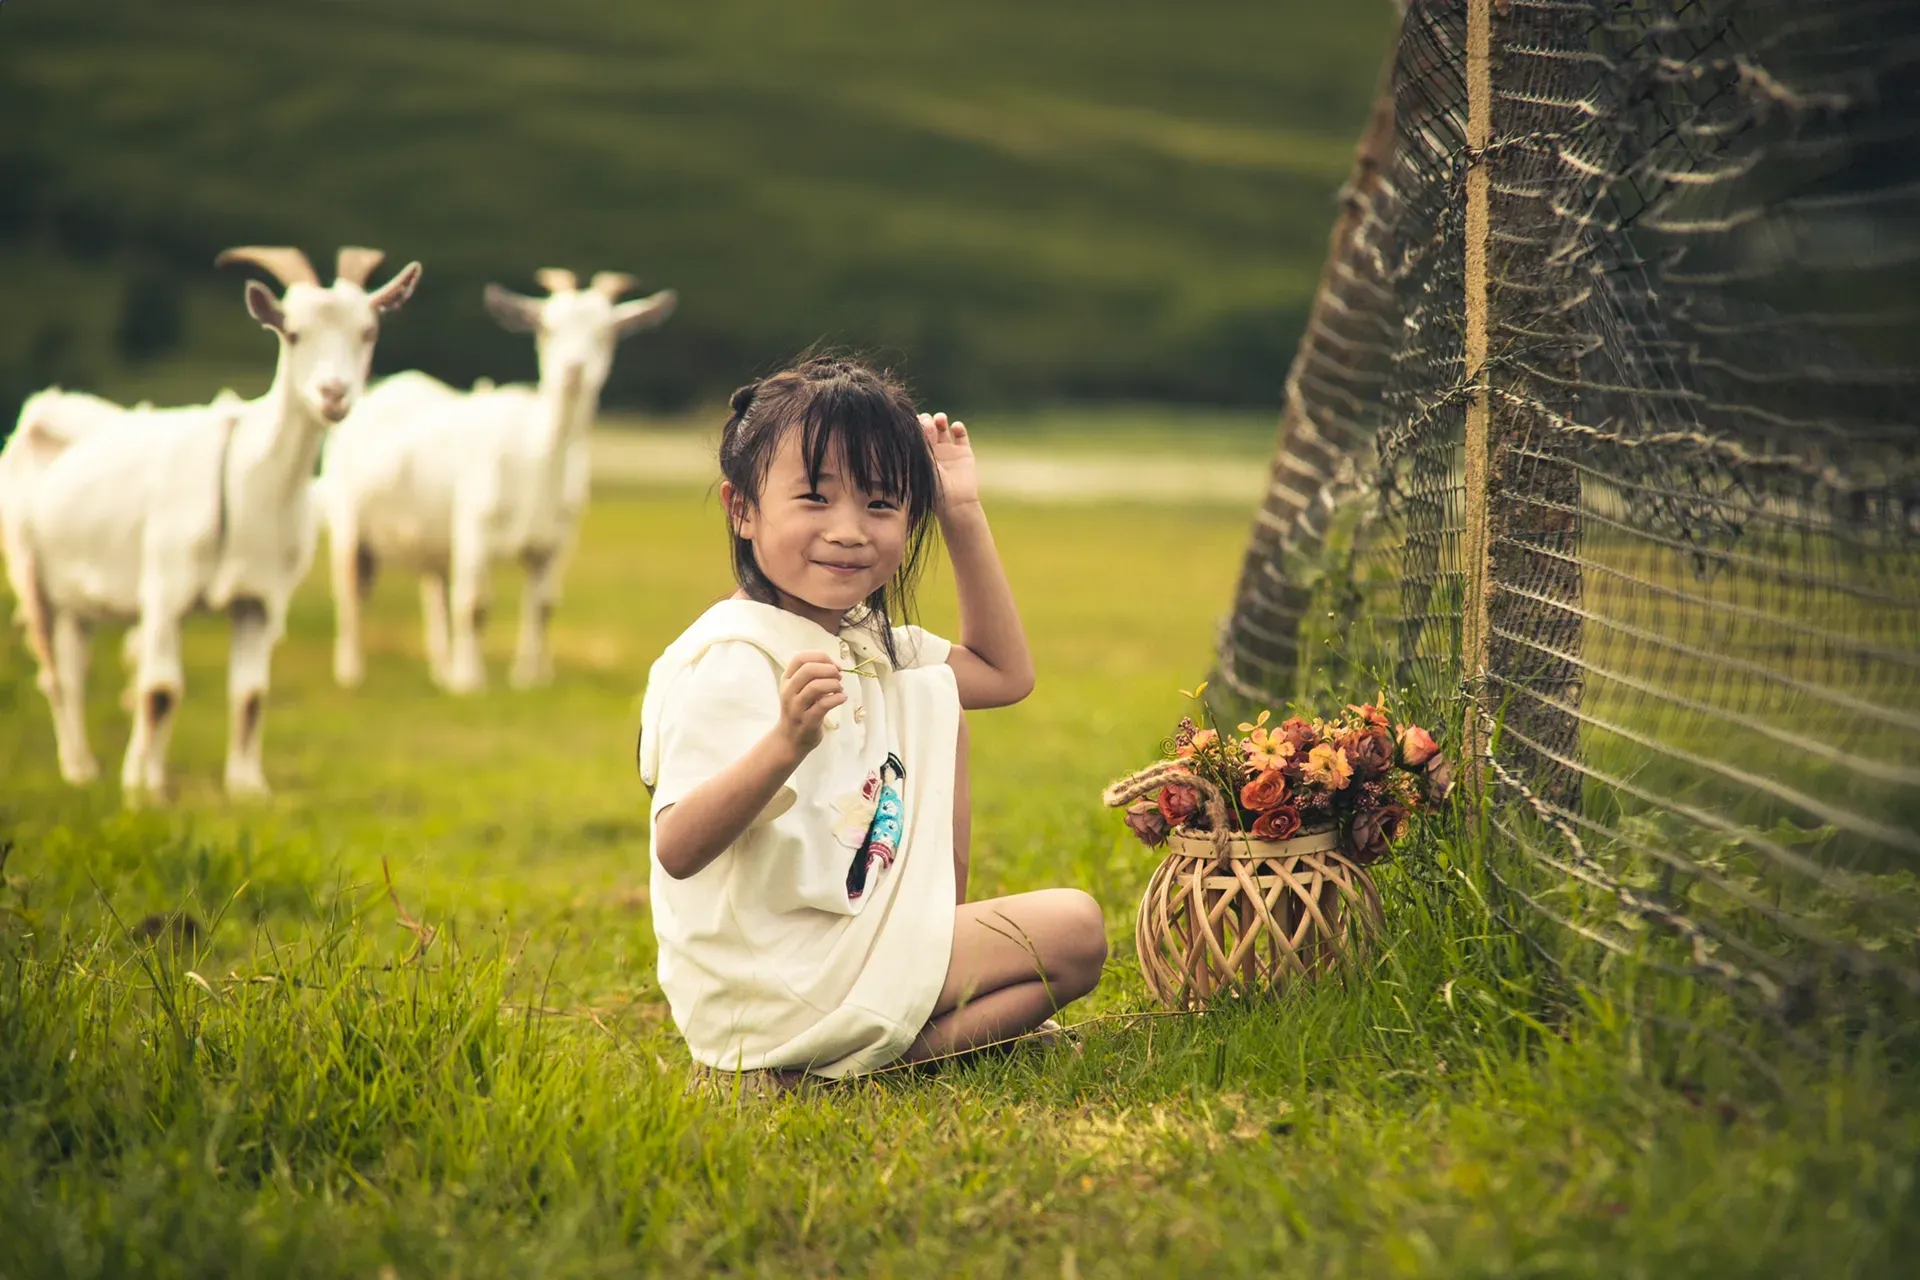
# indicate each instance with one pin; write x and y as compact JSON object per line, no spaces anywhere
{"x":697,"y":828}
{"x":991,"y":665}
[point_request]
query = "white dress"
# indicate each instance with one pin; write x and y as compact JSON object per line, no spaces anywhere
{"x":821,"y":937}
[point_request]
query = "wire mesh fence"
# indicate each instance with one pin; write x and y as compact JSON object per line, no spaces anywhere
{"x":1604,"y":424}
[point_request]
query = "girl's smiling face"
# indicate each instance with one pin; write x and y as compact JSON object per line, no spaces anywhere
{"x":824,"y":543}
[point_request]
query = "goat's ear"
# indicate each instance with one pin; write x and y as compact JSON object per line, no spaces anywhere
{"x":264,"y":307}
{"x":515,"y":312}
{"x":392,"y":295}
{"x":644,"y":313}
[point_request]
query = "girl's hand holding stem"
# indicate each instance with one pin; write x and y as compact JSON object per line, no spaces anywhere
{"x":691,"y":833}
{"x":809,"y":688}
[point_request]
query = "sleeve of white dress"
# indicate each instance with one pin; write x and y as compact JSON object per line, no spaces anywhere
{"x":716,"y":712}
{"x":919,"y":647}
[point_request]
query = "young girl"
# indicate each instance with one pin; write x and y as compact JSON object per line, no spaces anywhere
{"x":808,"y":759}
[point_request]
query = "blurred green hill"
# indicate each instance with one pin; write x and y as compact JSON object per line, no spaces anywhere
{"x":1016,"y":200}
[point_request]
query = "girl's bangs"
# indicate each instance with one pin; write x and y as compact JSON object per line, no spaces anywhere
{"x":878,"y":442}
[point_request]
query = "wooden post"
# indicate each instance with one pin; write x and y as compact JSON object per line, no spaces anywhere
{"x":1476,"y":537}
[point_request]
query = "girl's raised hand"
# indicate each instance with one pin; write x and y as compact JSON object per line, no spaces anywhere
{"x":953,"y":459}
{"x":809,"y":689}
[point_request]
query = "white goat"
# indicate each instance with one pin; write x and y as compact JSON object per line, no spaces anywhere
{"x":445,"y":483}
{"x":171,"y":510}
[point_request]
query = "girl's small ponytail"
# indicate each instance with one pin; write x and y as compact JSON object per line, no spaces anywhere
{"x":743,"y":399}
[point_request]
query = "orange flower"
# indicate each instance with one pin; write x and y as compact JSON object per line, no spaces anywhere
{"x":1327,"y":764}
{"x":1374,"y":715}
{"x":1265,"y":791}
{"x":1202,"y":739}
{"x":1277,"y":824}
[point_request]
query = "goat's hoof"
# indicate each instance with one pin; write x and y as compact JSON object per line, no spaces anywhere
{"x":349,"y":673}
{"x":79,"y":773}
{"x":142,"y":796}
{"x":530,"y":676}
{"x":247,"y":786}
{"x":465,"y":683}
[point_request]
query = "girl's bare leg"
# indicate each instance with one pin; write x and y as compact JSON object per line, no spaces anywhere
{"x":1016,"y":961}
{"x":962,"y":815}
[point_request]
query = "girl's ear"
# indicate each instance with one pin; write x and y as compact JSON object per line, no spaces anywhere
{"x":739,"y":515}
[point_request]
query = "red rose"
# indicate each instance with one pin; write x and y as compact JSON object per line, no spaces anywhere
{"x":1277,"y":824}
{"x":1178,"y":802}
{"x":1416,"y":746}
{"x":1145,"y":820}
{"x":1265,"y":791}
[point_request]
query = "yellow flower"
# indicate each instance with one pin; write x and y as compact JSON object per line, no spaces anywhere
{"x":1327,"y":764}
{"x":1266,"y":749}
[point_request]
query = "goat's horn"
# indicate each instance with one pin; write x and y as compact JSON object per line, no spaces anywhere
{"x":611,"y":284}
{"x":354,"y":264}
{"x":556,"y":279}
{"x":289,"y":266}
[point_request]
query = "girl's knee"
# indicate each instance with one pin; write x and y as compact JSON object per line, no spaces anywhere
{"x":1086,"y":935}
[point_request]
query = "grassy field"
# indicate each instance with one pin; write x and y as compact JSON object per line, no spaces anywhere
{"x":298,"y":1090}
{"x":1020,"y":201}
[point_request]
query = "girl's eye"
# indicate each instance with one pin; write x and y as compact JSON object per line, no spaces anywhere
{"x":883,"y":504}
{"x":820,"y":498}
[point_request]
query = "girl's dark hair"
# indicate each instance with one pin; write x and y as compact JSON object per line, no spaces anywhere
{"x":848,"y":412}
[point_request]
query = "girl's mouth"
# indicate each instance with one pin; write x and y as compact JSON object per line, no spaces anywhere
{"x":843,"y":570}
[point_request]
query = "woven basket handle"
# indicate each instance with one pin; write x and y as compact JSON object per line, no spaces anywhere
{"x":1135,"y":785}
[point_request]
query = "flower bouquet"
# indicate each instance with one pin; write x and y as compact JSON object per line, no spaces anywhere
{"x":1269,"y":831}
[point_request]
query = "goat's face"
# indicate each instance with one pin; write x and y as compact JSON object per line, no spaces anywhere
{"x":575,"y":340}
{"x":576,"y":330}
{"x":327,"y":335}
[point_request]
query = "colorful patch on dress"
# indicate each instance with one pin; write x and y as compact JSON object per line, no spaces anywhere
{"x":882,"y":843}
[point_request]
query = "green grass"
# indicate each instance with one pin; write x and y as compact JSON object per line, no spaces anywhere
{"x":297,"y":1093}
{"x":1018,"y":201}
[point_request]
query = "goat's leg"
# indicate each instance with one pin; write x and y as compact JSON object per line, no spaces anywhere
{"x":158,"y":682}
{"x":352,"y":576}
{"x":468,"y":589}
{"x":72,"y":644}
{"x":532,"y":661}
{"x":249,"y":662}
{"x":433,"y":623}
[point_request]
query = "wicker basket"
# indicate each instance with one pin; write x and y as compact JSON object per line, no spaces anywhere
{"x":1250,"y":919}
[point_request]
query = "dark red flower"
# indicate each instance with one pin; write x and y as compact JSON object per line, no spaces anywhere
{"x":1277,"y":824}
{"x":1300,"y":734}
{"x":1375,"y":830}
{"x":1439,"y":778}
{"x":1178,"y":802}
{"x":1145,"y":820}
{"x":1265,"y":791}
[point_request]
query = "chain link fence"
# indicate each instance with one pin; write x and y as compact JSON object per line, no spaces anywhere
{"x":1603,"y":431}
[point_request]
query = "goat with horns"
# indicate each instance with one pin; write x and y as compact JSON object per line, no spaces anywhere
{"x":173,"y":510}
{"x":446,"y":483}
